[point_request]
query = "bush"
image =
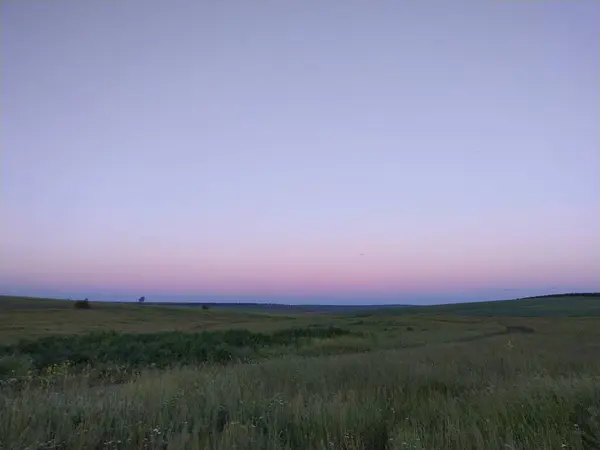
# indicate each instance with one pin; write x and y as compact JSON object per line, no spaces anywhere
{"x":15,"y":366}
{"x":82,"y":304}
{"x":160,"y":349}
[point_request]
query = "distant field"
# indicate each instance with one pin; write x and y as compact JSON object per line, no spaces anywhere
{"x":31,"y":318}
{"x":577,"y":305}
{"x":521,"y":374}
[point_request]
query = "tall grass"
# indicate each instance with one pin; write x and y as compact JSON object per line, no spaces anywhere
{"x":159,"y":349}
{"x":536,"y":393}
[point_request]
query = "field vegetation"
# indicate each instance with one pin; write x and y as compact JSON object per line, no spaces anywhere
{"x":152,"y":377}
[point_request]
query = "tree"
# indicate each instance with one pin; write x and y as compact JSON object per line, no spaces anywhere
{"x":141,"y":299}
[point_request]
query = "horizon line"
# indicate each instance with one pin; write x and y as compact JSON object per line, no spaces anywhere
{"x":216,"y":303}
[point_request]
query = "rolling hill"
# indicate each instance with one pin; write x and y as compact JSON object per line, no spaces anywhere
{"x":554,"y":305}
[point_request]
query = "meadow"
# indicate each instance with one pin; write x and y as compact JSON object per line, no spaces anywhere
{"x":507,"y":375}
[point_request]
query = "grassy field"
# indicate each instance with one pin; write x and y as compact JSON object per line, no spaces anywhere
{"x":563,"y":305}
{"x":509,"y":375}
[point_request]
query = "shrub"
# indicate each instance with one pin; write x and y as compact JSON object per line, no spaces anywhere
{"x":82,"y":304}
{"x":15,"y":366}
{"x":160,"y":349}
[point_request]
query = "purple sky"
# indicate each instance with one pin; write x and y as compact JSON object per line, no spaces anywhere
{"x":255,"y":149}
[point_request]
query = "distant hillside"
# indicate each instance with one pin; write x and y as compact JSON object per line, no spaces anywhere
{"x":575,"y":294}
{"x":555,"y":305}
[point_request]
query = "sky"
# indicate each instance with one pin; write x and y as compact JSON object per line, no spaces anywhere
{"x":299,"y":151}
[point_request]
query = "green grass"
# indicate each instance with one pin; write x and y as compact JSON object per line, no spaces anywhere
{"x":303,"y":381}
{"x":567,"y":305}
{"x":160,"y":349}
{"x":25,"y":318}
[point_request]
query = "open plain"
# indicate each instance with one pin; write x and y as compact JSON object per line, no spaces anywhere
{"x":521,"y":374}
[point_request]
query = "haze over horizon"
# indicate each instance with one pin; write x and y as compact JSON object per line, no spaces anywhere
{"x":306,"y":151}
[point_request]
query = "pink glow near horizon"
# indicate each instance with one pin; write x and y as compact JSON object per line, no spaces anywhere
{"x":441,"y":266}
